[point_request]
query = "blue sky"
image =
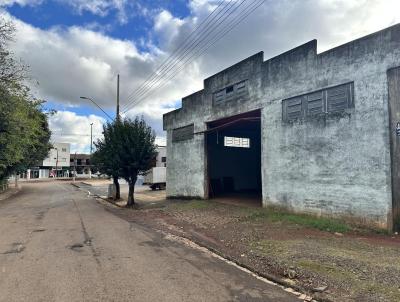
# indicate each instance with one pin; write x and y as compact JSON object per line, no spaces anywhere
{"x":137,"y":27}
{"x":77,"y":47}
{"x":58,"y":13}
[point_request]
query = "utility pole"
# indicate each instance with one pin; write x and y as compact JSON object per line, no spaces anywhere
{"x":74,"y":166}
{"x":91,"y":139}
{"x":91,"y":148}
{"x":117,"y":117}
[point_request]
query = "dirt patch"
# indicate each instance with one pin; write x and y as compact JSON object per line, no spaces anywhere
{"x":305,"y":252}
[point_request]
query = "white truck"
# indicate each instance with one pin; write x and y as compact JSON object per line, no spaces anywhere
{"x":156,"y":178}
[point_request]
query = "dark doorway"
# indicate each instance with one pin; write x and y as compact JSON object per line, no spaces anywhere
{"x":234,"y":157}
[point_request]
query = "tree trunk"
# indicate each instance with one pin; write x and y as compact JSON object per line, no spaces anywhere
{"x":131,"y":198}
{"x":117,"y":189}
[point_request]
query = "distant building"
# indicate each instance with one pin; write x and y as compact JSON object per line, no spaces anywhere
{"x":82,"y":164}
{"x":57,"y":163}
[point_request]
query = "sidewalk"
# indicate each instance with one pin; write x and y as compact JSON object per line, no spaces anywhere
{"x":326,"y":258}
{"x":144,"y":196}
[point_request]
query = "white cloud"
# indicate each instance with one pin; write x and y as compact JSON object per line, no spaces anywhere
{"x":75,"y":61}
{"x":20,"y":2}
{"x":100,"y":7}
{"x":68,"y":127}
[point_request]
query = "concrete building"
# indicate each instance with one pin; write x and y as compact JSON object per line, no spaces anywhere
{"x":309,"y":132}
{"x":82,"y":164}
{"x":57,"y":163}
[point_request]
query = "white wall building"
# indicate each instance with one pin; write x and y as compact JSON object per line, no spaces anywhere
{"x":59,"y":156}
{"x":57,"y":163}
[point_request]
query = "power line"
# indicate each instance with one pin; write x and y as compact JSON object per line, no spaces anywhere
{"x":203,"y":36}
{"x":209,"y":29}
{"x":241,"y":16}
{"x":233,"y":23}
{"x":175,"y":52}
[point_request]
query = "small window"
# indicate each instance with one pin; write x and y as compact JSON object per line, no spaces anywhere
{"x":163,"y":159}
{"x":233,"y":92}
{"x":88,"y":161}
{"x":241,"y":142}
{"x":64,"y":149}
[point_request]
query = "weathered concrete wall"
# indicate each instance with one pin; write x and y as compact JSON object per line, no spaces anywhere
{"x":185,"y":168}
{"x":337,"y":165}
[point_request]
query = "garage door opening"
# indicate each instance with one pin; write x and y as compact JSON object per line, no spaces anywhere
{"x":234,"y":158}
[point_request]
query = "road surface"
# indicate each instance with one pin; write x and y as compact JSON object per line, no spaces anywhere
{"x":58,"y":244}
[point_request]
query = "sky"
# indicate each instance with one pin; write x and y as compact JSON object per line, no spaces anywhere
{"x":77,"y":47}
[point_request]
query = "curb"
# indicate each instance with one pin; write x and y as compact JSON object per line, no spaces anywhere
{"x":98,"y":196}
{"x":267,"y":276}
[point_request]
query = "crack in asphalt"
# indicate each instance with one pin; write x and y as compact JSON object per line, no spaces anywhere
{"x":87,"y":240}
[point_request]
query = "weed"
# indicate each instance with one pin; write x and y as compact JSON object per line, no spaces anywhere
{"x":320,"y":223}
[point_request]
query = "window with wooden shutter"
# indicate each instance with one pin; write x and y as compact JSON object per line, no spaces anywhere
{"x":325,"y":101}
{"x":292,"y":109}
{"x":241,"y":89}
{"x":231,"y":93}
{"x":315,"y":103}
{"x":339,"y":98}
{"x":219,"y":97}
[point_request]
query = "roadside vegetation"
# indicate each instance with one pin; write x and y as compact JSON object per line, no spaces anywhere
{"x":24,"y":129}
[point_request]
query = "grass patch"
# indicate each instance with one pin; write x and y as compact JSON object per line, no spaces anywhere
{"x":319,"y":223}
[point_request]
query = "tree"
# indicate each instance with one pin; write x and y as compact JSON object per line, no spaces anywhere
{"x":130,"y":150}
{"x":12,"y":71}
{"x":104,"y":158}
{"x":24,"y":129}
{"x":24,"y":132}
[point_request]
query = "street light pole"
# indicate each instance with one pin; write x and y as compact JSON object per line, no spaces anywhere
{"x":86,"y":98}
{"x":74,"y":167}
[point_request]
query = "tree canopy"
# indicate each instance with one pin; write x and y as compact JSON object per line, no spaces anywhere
{"x":127,"y":150}
{"x":24,"y":129}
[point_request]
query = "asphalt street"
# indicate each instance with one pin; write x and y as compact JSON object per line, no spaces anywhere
{"x":59,"y":244}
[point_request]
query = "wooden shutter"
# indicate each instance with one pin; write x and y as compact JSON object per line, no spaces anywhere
{"x":241,"y":89}
{"x":315,"y":103}
{"x":219,"y":97}
{"x":339,"y":98}
{"x":292,"y":109}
